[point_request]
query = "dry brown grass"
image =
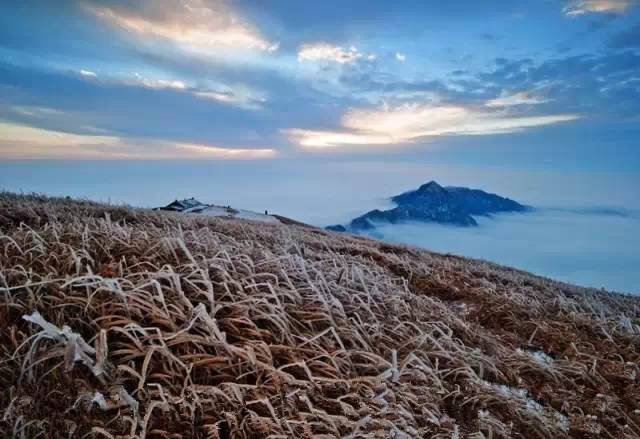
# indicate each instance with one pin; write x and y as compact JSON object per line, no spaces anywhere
{"x":150,"y":324}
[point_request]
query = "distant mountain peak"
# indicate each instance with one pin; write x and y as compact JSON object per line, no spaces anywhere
{"x":430,"y":187}
{"x":434,"y":203}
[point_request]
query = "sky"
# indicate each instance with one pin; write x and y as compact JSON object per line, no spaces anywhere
{"x":320,"y":111}
{"x":546,"y":83}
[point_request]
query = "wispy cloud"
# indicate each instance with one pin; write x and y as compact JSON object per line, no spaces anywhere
{"x":26,"y":142}
{"x":512,"y":100}
{"x":157,"y":83}
{"x":205,"y":151}
{"x":88,"y":73}
{"x":238,"y":96}
{"x":34,"y":111}
{"x":192,"y":25}
{"x":327,"y":52}
{"x":401,"y":57}
{"x":22,"y":141}
{"x":332,"y":139}
{"x":409,"y":122}
{"x":580,"y":7}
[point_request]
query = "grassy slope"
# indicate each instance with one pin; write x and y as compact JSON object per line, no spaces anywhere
{"x":207,"y":327}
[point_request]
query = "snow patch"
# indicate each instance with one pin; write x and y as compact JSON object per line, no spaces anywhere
{"x":531,"y":405}
{"x":540,"y":357}
{"x":229,"y":212}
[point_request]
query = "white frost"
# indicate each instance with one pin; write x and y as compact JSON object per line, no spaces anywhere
{"x":540,"y":357}
{"x":76,"y":348}
{"x":238,"y":213}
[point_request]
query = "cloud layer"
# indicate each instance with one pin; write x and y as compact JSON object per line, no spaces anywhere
{"x":165,"y":78}
{"x":580,"y":7}
{"x":192,"y":25}
{"x":410,"y":122}
{"x":21,"y":142}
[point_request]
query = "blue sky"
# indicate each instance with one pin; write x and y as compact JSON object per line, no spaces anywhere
{"x":545,"y":82}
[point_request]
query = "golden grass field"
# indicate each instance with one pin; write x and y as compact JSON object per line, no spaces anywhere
{"x":122,"y":322}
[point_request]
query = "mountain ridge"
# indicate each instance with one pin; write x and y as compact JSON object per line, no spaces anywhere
{"x":432,"y":202}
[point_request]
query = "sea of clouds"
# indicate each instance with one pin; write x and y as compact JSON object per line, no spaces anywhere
{"x":585,"y":229}
{"x":589,"y":248}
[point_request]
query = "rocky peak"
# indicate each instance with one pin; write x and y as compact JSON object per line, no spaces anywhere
{"x":432,"y":186}
{"x":434,"y":203}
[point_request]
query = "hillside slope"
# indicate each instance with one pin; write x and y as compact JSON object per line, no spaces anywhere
{"x":117,"y":322}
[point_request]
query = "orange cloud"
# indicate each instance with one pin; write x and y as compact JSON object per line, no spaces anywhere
{"x":24,"y":142}
{"x":407,"y":123}
{"x":192,"y":25}
{"x":580,"y":7}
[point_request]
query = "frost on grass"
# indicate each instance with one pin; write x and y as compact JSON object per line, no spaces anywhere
{"x":75,"y":349}
{"x":540,"y":357}
{"x":117,"y":322}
